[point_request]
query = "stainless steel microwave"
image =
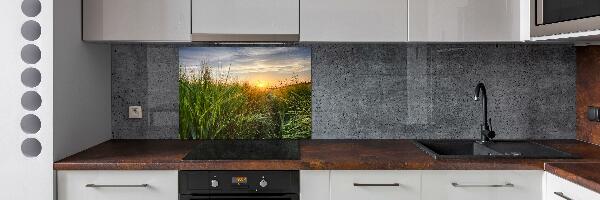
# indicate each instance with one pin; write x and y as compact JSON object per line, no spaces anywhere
{"x":552,"y":17}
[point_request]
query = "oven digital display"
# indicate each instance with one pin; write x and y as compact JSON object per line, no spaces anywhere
{"x":239,"y":180}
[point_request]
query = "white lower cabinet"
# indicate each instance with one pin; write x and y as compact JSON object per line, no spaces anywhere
{"x":482,"y":185}
{"x":117,"y":185}
{"x":560,"y":189}
{"x":375,"y":185}
{"x":341,"y":185}
{"x":314,"y":184}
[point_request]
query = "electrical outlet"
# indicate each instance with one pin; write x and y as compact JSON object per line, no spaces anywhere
{"x":135,"y":112}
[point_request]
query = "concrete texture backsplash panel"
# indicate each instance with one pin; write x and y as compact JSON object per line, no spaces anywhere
{"x":147,"y":76}
{"x":383,"y":91}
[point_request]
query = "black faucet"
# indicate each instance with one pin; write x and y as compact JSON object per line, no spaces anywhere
{"x":487,"y":134}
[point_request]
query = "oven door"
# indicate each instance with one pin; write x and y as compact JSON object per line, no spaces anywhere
{"x":241,"y":196}
{"x":551,"y":17}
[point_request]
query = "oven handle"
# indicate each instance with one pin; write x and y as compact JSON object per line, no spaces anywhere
{"x":285,"y":196}
{"x":190,"y":197}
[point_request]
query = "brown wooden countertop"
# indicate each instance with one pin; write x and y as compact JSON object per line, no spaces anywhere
{"x":314,"y":154}
{"x":584,"y":174}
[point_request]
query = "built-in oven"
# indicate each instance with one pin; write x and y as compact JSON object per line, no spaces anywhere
{"x":552,"y":17}
{"x":238,"y":185}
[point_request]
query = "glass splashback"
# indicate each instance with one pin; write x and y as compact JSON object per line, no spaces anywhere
{"x":245,"y":93}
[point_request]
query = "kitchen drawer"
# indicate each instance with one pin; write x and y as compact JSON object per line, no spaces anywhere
{"x":556,"y":186}
{"x":162,"y":185}
{"x":387,"y":185}
{"x":482,"y":185}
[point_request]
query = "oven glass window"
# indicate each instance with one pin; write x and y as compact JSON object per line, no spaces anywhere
{"x":554,"y":11}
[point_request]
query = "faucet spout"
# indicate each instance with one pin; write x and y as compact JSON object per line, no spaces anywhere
{"x":480,"y":94}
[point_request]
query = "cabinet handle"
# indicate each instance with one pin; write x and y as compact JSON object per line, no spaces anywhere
{"x":468,"y":186}
{"x":376,"y":184}
{"x":115,"y":186}
{"x":562,"y":195}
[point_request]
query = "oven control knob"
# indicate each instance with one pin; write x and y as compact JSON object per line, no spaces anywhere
{"x":263,"y":183}
{"x":214,"y":183}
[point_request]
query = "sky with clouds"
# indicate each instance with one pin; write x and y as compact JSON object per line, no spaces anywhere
{"x":269,"y":65}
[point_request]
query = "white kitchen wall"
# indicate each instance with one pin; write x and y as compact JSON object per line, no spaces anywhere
{"x":55,"y":93}
{"x":26,"y":121}
{"x":81,"y":84}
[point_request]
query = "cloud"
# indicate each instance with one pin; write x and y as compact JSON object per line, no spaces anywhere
{"x":244,"y":61}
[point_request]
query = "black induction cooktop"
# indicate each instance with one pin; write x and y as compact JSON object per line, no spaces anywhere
{"x":245,"y":150}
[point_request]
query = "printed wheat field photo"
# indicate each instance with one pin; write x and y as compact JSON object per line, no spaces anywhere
{"x":245,"y":93}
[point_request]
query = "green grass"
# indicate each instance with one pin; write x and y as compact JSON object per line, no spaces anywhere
{"x":218,"y":109}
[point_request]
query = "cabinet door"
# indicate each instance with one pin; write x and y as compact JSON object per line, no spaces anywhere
{"x":214,"y":20}
{"x":560,"y":189}
{"x":482,"y":185}
{"x":314,"y":185}
{"x":353,"y":20}
{"x":136,"y":20}
{"x":117,"y":185}
{"x":375,"y":185}
{"x":468,"y":21}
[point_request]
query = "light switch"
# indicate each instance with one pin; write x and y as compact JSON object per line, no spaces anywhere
{"x":135,"y":112}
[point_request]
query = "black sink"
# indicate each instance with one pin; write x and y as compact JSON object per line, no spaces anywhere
{"x":469,"y":149}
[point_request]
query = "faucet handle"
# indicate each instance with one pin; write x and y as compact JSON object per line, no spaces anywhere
{"x":492,"y":133}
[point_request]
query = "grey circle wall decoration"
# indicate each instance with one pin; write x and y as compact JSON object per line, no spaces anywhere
{"x":31,"y":124}
{"x":31,"y":30}
{"x":31,"y":54}
{"x":31,"y":100}
{"x":31,"y":77}
{"x":31,"y":8}
{"x":31,"y":147}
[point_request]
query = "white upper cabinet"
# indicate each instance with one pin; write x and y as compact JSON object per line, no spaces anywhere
{"x":354,"y":20}
{"x":468,"y":20}
{"x":136,"y":20}
{"x":307,"y":20}
{"x":245,"y":20}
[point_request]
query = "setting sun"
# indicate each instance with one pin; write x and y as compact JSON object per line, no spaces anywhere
{"x":261,"y":84}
